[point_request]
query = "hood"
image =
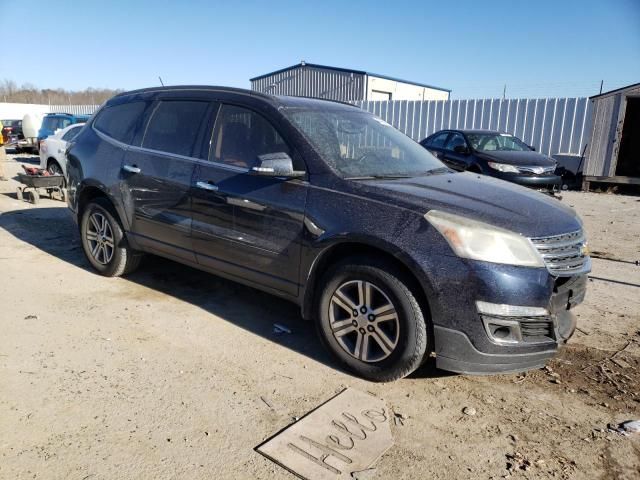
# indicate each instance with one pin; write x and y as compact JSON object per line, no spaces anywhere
{"x":518,"y":158}
{"x":481,"y":198}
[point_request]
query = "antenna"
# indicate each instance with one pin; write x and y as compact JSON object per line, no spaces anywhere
{"x":161,"y":82}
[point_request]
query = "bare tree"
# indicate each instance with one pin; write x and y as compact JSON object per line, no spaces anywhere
{"x":29,"y":93}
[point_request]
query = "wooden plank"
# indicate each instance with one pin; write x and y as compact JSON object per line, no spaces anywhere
{"x":615,"y":179}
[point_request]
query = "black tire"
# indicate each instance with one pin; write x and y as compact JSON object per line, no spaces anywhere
{"x":124,"y":259}
{"x":413,"y":337}
{"x":54,"y":168}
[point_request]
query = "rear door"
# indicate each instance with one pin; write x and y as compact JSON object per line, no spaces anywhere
{"x":157,"y":173}
{"x":245,"y":225}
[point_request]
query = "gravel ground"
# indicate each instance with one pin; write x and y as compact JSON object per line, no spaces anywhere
{"x":160,"y":374}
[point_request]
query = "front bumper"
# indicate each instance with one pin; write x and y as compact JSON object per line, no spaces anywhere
{"x":549,"y":183}
{"x":464,"y":344}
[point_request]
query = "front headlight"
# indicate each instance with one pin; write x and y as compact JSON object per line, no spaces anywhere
{"x":481,"y":241}
{"x":503,"y":167}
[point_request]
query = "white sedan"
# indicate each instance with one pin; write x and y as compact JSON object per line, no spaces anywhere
{"x":52,"y":149}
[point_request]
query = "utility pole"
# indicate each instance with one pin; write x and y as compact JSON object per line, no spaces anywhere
{"x":504,"y":91}
{"x":601,"y":83}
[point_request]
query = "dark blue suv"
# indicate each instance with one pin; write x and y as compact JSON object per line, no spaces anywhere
{"x":57,"y":121}
{"x":393,"y":255}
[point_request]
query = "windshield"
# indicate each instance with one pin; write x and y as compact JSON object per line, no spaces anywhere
{"x":490,"y":142}
{"x":358,"y":144}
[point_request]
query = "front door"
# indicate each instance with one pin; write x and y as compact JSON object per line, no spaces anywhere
{"x":157,"y":176}
{"x":457,"y":160}
{"x":245,"y":225}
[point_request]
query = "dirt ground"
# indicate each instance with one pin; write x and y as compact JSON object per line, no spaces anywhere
{"x":160,"y":374}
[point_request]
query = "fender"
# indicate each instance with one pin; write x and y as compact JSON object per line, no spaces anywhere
{"x":325,"y":245}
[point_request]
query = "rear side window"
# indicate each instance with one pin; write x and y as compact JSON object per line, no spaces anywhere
{"x":174,"y":126}
{"x":119,"y":121}
{"x":71,"y":133}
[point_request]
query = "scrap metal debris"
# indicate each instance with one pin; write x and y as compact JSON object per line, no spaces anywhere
{"x":279,"y":329}
{"x":627,"y":428}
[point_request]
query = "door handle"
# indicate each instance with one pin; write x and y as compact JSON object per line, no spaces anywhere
{"x":131,"y":169}
{"x":207,"y":186}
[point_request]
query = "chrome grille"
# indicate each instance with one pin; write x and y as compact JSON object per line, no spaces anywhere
{"x":564,"y":254}
{"x":536,"y":170}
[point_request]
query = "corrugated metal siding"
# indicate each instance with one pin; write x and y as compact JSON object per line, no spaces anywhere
{"x":74,"y":109}
{"x":552,"y":125}
{"x":308,"y":81}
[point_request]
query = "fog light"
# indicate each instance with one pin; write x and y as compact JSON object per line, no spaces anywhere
{"x":501,"y":333}
{"x":501,"y":330}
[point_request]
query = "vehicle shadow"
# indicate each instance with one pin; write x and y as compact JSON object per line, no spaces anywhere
{"x":53,"y":231}
{"x":31,"y":159}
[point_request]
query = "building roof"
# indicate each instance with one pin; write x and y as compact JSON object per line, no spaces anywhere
{"x":347,"y":70}
{"x":633,"y":85}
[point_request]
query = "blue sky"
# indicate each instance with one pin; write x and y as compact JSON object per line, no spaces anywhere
{"x":537,"y":48}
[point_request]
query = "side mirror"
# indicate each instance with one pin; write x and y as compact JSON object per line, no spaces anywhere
{"x":461,"y":149}
{"x":532,"y":148}
{"x":275,"y":165}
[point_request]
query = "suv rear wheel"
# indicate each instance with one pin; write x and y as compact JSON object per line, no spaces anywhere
{"x":371,"y":321}
{"x":103,"y":240}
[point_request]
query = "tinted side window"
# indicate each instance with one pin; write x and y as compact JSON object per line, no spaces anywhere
{"x":456,"y":139}
{"x":119,"y":121}
{"x":71,"y":133}
{"x":438,"y":140}
{"x":174,"y":126}
{"x":241,"y":135}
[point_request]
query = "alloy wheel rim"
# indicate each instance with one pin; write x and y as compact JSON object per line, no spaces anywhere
{"x":364,"y":321}
{"x":99,"y":236}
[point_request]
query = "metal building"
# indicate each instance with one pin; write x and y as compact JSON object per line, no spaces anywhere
{"x":614,"y":153}
{"x":310,"y":80}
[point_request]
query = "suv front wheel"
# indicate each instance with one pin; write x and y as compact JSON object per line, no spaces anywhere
{"x":371,"y":321}
{"x":104,"y":242}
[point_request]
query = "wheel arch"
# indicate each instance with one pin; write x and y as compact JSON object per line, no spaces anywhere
{"x":360,"y":247}
{"x":91,"y":191}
